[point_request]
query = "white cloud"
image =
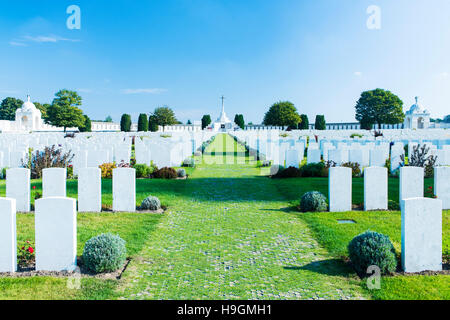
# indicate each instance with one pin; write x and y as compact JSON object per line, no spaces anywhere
{"x":148,"y":91}
{"x":444,"y":74}
{"x":358,"y":73}
{"x":17,"y":44}
{"x":23,"y":41}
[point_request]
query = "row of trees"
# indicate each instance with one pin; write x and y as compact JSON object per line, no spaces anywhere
{"x":374,"y":107}
{"x":163,"y":116}
{"x":64,"y":111}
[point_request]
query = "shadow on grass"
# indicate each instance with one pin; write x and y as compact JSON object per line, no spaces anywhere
{"x":331,"y":267}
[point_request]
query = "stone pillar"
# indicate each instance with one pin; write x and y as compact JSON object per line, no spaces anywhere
{"x":375,"y":188}
{"x":8,"y":236}
{"x":421,"y":234}
{"x":124,"y":189}
{"x":340,"y":189}
{"x":56,"y":234}
{"x":89,"y":190}
{"x":18,"y":187}
{"x":442,"y":185}
{"x":54,"y":182}
{"x":411,"y":183}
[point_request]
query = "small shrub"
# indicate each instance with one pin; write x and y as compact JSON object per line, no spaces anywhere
{"x":393,"y":205}
{"x":313,"y":201}
{"x":50,"y":157}
{"x":181,"y":173}
{"x":356,"y":135}
{"x":372,"y":248}
{"x":25,"y":255}
{"x":189,"y":162}
{"x":143,"y":170}
{"x":107,"y":170}
{"x":276,"y":169}
{"x":165,"y":173}
{"x":313,"y":169}
{"x":290,"y":172}
{"x":356,"y":168}
{"x":70,"y":172}
{"x":327,"y":165}
{"x":104,"y":253}
{"x":150,"y":203}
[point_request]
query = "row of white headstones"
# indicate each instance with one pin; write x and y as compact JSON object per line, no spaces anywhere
{"x":55,"y":214}
{"x":56,"y":224}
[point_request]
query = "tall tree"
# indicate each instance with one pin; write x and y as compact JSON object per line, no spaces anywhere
{"x":304,"y":125}
{"x":143,"y":123}
{"x":320,"y":123}
{"x":206,"y":121}
{"x":108,"y":119}
{"x":43,"y":108}
{"x":447,"y":119}
{"x":87,"y":126}
{"x":379,"y":107}
{"x":239,"y":120}
{"x":282,"y":113}
{"x":125,"y":123}
{"x":165,"y":116}
{"x":64,"y":111}
{"x":189,"y":122}
{"x":8,"y":108}
{"x":153,"y":123}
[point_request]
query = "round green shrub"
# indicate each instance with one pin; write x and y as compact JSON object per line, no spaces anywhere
{"x":181,"y":173}
{"x":142,"y":170}
{"x":104,"y":253}
{"x":372,"y":248}
{"x":313,"y":201}
{"x":150,"y":203}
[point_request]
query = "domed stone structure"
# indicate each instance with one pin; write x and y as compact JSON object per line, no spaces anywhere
{"x":417,"y":117}
{"x":28,"y":118}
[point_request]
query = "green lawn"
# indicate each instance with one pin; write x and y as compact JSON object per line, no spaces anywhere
{"x":231,"y":233}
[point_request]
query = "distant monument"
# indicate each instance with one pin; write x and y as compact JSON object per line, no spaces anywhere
{"x":416,"y":117}
{"x":222,"y":123}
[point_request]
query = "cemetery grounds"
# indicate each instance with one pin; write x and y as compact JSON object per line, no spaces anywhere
{"x":230,"y":232}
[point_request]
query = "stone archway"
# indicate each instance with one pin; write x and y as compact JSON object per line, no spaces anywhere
{"x":420,"y":123}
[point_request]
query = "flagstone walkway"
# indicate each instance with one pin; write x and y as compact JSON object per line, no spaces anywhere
{"x":228,"y":235}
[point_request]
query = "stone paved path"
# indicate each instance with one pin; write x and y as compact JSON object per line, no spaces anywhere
{"x":228,"y":236}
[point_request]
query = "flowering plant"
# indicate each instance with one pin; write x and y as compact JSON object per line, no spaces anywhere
{"x":37,"y":194}
{"x":25,"y":254}
{"x":429,"y":193}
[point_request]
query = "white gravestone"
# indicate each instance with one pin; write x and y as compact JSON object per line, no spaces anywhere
{"x":89,"y":190}
{"x":377,"y":158}
{"x":18,"y":187}
{"x":8,"y":236}
{"x":292,"y":158}
{"x":313,"y":156}
{"x":340,"y":189}
{"x":421,"y":234}
{"x":442,"y":185}
{"x":411,"y":183}
{"x":56,"y":234}
{"x":54,"y":182}
{"x":124,"y":189}
{"x":375,"y":188}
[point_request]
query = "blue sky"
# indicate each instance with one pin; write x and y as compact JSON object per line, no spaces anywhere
{"x":133,"y":56}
